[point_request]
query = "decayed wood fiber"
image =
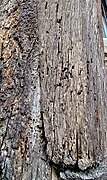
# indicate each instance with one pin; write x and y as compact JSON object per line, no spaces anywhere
{"x":52,"y":90}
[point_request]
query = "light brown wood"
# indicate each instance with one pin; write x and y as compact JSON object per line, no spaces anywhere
{"x":53,"y":90}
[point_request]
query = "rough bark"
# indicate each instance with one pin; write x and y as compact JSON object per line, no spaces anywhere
{"x":52,"y":90}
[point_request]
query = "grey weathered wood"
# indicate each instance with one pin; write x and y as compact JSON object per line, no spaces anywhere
{"x":53,"y":90}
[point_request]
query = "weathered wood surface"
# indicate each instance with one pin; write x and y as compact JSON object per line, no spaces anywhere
{"x":52,"y":90}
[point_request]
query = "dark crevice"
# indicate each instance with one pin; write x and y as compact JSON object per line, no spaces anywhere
{"x":58,"y":85}
{"x":79,"y":92}
{"x":1,"y":67}
{"x":46,"y":5}
{"x":57,"y":7}
{"x":19,"y":43}
{"x":0,"y":76}
{"x":61,"y":167}
{"x":59,"y":20}
{"x":73,"y":67}
{"x":87,"y":67}
{"x":58,"y":48}
{"x":91,"y":60}
{"x":43,"y":138}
